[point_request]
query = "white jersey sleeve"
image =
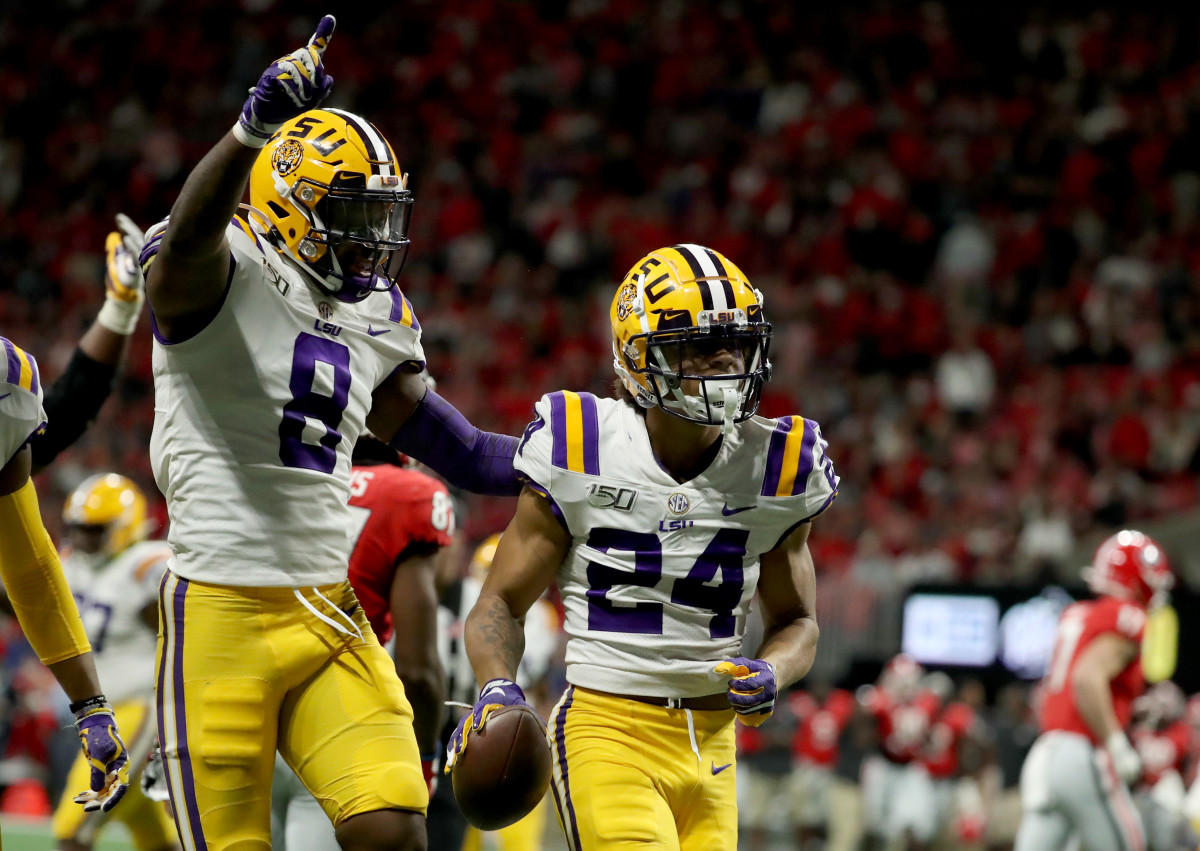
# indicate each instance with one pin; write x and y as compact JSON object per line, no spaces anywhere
{"x":535,"y":450}
{"x":21,"y":412}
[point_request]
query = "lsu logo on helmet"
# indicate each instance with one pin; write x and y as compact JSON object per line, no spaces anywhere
{"x":690,"y":336}
{"x":331,"y":196}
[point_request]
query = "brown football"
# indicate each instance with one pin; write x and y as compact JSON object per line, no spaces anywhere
{"x":505,"y":769}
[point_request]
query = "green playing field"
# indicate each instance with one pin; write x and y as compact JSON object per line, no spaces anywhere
{"x":34,"y":835}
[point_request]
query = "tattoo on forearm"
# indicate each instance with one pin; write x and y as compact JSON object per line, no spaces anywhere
{"x":500,"y":631}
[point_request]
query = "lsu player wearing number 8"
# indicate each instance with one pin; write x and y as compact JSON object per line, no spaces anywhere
{"x":280,"y":338}
{"x":661,"y":513}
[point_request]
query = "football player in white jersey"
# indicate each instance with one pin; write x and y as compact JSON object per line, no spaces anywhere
{"x":280,"y":337}
{"x":35,"y":589}
{"x":660,"y":514}
{"x":114,"y":573}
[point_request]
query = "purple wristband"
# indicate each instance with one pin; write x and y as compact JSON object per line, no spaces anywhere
{"x":437,"y":435}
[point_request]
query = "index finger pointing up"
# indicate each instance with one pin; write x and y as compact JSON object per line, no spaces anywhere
{"x":320,"y":39}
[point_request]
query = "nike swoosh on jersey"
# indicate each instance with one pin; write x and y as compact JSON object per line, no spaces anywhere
{"x":718,"y":769}
{"x":727,"y":511}
{"x":5,"y":396}
{"x":373,"y":333}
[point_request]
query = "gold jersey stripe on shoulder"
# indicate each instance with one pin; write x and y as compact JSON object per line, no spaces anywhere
{"x":575,"y":432}
{"x":402,"y":310}
{"x":790,"y":457}
{"x":20,"y":367}
{"x":245,"y":227}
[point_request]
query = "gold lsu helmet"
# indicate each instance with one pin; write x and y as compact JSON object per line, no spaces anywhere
{"x":329,"y":179}
{"x":684,"y":304}
{"x":481,"y":560}
{"x":113,"y":508}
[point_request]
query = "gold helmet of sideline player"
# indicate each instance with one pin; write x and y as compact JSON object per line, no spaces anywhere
{"x":481,"y":560}
{"x":335,"y":200}
{"x":683,"y":305}
{"x":105,"y":515}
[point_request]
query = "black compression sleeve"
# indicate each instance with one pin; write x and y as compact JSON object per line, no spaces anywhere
{"x":72,"y":403}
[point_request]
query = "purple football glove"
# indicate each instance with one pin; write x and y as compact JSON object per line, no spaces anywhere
{"x":752,"y":688}
{"x":105,"y":754}
{"x":293,"y":84}
{"x":493,"y":695}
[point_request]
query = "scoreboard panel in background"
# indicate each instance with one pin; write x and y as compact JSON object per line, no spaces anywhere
{"x":1007,"y":632}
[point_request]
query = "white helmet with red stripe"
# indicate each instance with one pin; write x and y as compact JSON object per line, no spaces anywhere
{"x":901,"y":677}
{"x":1131,"y":566}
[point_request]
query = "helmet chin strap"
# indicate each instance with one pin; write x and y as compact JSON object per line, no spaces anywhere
{"x":730,"y":409}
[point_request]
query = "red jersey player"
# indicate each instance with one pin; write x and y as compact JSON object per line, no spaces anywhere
{"x":821,"y":715}
{"x":891,"y":782}
{"x":949,"y":792}
{"x":407,"y":519}
{"x":1075,"y":779}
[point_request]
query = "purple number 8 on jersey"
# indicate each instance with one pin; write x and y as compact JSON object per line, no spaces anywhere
{"x":307,"y":404}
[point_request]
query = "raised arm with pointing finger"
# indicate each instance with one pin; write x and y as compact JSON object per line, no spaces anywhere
{"x":281,"y":337}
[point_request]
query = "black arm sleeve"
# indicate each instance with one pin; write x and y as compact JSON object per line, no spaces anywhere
{"x":71,"y":404}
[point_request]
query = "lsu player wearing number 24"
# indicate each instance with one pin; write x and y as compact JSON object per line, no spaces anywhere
{"x":280,"y":337}
{"x":661,"y":513}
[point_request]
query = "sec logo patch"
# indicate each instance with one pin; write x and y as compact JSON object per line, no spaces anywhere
{"x":678,"y":503}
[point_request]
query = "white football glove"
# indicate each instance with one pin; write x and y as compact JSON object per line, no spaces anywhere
{"x":1126,"y":761}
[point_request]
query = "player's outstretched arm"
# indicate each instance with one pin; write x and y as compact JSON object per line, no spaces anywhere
{"x":415,"y":420}
{"x":73,"y":401}
{"x":787,"y":591}
{"x":190,"y":272}
{"x":527,"y":558}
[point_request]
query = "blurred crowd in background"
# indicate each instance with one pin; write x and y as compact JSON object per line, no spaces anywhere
{"x":977,"y":230}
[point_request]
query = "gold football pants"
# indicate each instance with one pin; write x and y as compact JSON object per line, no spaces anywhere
{"x":632,"y":775}
{"x":243,"y":671}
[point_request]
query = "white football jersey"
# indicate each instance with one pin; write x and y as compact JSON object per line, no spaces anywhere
{"x":21,"y":413}
{"x":110,"y":597}
{"x":660,"y":574}
{"x":255,"y":418}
